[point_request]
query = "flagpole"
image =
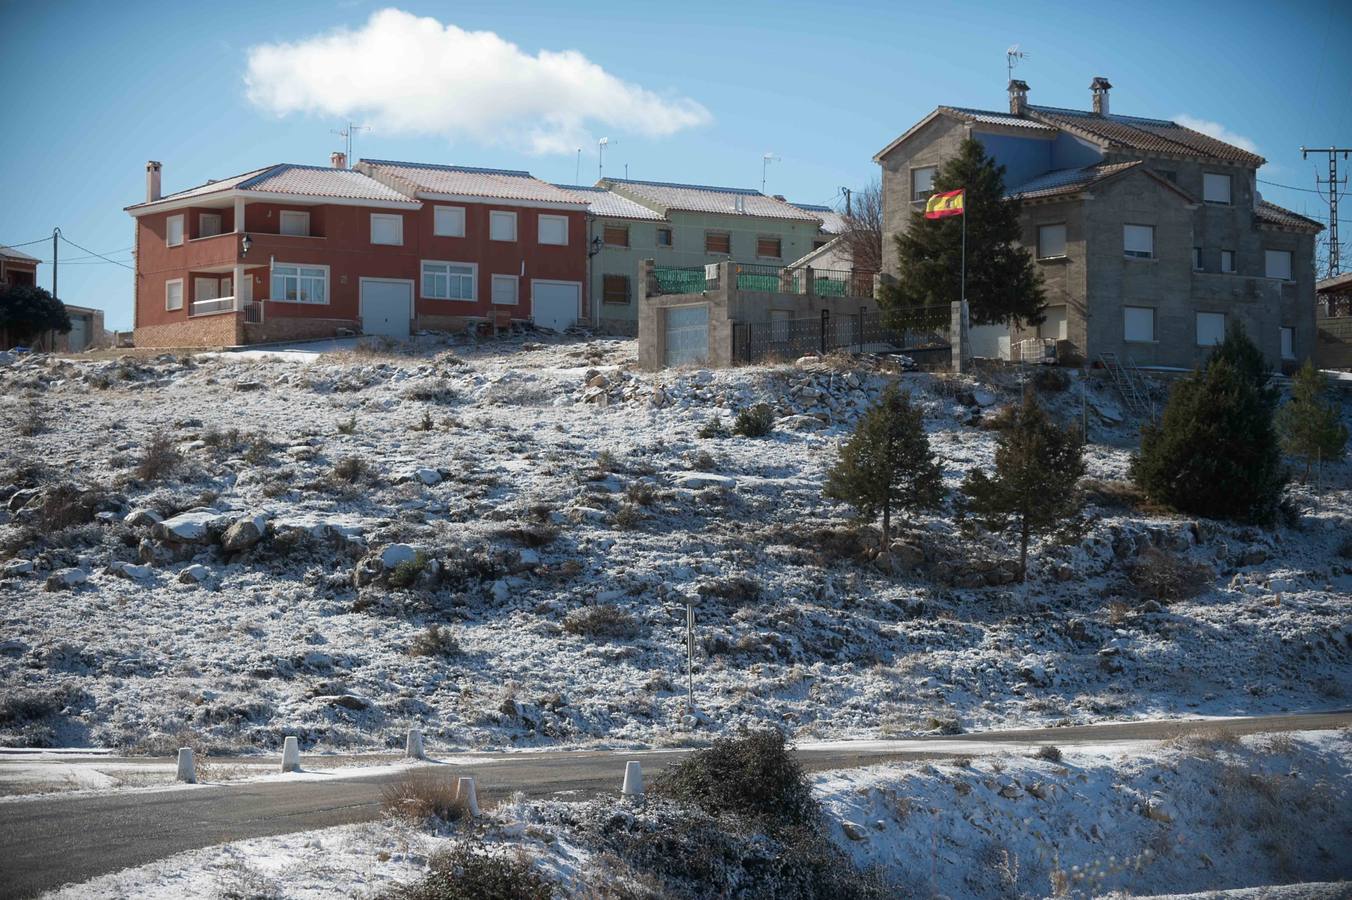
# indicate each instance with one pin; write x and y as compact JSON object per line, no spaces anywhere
{"x":964,"y":248}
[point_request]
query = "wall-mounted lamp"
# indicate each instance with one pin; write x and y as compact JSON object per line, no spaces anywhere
{"x":244,"y":245}
{"x":596,"y":245}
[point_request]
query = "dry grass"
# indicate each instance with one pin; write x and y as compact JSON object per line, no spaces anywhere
{"x":422,"y":796}
{"x":436,"y":642}
{"x":1168,"y":577}
{"x":603,"y":621}
{"x":158,"y":459}
{"x":1119,"y":494}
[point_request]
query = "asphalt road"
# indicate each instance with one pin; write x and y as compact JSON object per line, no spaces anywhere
{"x":50,"y":841}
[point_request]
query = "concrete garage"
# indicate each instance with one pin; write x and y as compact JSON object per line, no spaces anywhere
{"x":386,"y":307}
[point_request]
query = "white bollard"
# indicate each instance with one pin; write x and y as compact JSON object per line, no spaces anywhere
{"x":187,"y":770}
{"x":466,"y":797}
{"x":291,"y":754}
{"x":633,"y":779}
{"x":414,"y":748}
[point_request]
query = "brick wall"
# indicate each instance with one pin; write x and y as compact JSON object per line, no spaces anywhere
{"x":296,"y":329}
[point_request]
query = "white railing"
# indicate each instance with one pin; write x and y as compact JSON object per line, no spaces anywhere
{"x":213,"y":307}
{"x":253,"y":313}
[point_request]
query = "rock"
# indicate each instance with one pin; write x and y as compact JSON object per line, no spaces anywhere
{"x":800,"y":423}
{"x":22,"y":497}
{"x":1158,"y":809}
{"x":194,"y":574}
{"x":16,"y":568}
{"x":983,"y":397}
{"x":394,"y":554}
{"x":1037,"y":789}
{"x":1253,"y":556}
{"x":853,"y":830}
{"x":367,"y":571}
{"x":13,"y":648}
{"x":244,"y":533}
{"x":66,"y":579}
{"x":1011,"y":791}
{"x":598,"y":381}
{"x":245,"y":386}
{"x":428,"y":477}
{"x":350,"y":701}
{"x":696,"y":480}
{"x":132,"y":570}
{"x":500,"y":591}
{"x":905,"y":555}
{"x":196,"y":526}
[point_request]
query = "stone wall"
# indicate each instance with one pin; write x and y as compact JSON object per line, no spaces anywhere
{"x":291,"y":328}
{"x":220,"y":330}
{"x":1333,"y":349}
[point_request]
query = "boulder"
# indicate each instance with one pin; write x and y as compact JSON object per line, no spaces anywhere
{"x":800,"y":423}
{"x":350,"y":701}
{"x":906,"y":555}
{"x":196,"y":526}
{"x":697,"y":480}
{"x":22,"y":497}
{"x":394,"y":554}
{"x":194,"y":574}
{"x":131,"y":570}
{"x":244,"y":533}
{"x":16,"y":568}
{"x":853,"y":830}
{"x":427,"y":476}
{"x":66,"y":579}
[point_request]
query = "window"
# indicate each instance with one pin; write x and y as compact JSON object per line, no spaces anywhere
{"x":1054,"y":326}
{"x":502,"y":225}
{"x":448,"y":221}
{"x":664,"y":237}
{"x":1138,"y":241}
{"x":387,"y":229}
{"x":448,"y":281}
{"x":1228,"y":261}
{"x":1277,"y":264}
{"x":614,"y":288}
{"x":206,"y":288}
{"x":294,"y":222}
{"x":922,"y":182}
{"x":173,"y":231}
{"x":717,"y":242}
{"x":768,"y":247}
{"x":553,"y":230}
{"x":1288,"y":342}
{"x":1051,"y":241}
{"x":173,"y":294}
{"x":1197,"y":259}
{"x":300,"y":284}
{"x":615,"y":235}
{"x":1210,"y":329}
{"x":208,"y":224}
{"x":505,"y":289}
{"x":1216,"y":188}
{"x":1138,"y":324}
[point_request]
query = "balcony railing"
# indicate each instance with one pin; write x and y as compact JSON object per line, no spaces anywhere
{"x":253,"y":310}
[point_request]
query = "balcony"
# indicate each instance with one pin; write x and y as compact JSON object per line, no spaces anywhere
{"x":253,"y":310}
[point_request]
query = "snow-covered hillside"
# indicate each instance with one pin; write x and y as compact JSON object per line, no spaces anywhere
{"x":552,"y":511}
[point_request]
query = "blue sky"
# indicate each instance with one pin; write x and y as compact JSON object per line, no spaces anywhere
{"x":688,"y":91}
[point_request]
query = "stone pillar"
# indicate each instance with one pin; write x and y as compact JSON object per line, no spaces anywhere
{"x":958,"y":337}
{"x":633,"y":779}
{"x":809,"y":285}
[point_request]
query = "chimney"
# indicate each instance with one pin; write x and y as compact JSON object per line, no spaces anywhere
{"x":152,"y":181}
{"x":1018,"y":96}
{"x":1100,"y":87}
{"x":338,"y":159}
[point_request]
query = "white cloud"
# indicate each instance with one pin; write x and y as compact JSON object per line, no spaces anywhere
{"x":1216,"y":130}
{"x":409,"y":75}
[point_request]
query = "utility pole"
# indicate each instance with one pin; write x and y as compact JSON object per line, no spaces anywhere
{"x":1332,"y":199}
{"x":346,"y":134}
{"x":848,"y":211}
{"x":56,"y":251}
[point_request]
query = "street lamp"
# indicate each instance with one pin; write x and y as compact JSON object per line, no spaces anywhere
{"x":244,"y":245}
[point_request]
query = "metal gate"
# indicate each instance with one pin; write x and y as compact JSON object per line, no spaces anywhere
{"x":687,"y":334}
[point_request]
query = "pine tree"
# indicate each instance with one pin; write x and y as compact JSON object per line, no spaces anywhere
{"x":1003,"y":285}
{"x":1037,"y":464}
{"x":887,"y":463}
{"x":1311,"y":429}
{"x":1215,"y":450}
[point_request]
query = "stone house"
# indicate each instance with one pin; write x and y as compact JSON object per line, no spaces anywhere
{"x":682,"y":226}
{"x":1150,"y":237}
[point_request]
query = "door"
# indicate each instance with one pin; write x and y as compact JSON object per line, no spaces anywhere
{"x":687,"y":334}
{"x":78,"y":339}
{"x":386,"y":307}
{"x":555,"y":304}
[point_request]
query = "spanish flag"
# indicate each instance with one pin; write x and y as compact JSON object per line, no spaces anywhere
{"x":949,"y":204}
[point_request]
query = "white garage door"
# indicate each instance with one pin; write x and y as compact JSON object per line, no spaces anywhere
{"x":687,"y":335}
{"x":386,"y":307}
{"x":555,"y":304}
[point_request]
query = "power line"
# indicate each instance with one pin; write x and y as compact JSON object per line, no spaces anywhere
{"x":26,"y":243}
{"x":99,"y":255}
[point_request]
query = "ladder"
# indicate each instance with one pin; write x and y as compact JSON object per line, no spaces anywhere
{"x":1130,"y":384}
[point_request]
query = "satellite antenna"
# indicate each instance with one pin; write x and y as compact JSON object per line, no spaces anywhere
{"x":765,"y":164}
{"x":1012,"y":57}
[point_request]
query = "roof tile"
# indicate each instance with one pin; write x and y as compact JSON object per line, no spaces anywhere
{"x":1272,"y":214}
{"x":501,"y":184}
{"x":610,"y":205}
{"x":709,"y":199}
{"x":1146,"y":135}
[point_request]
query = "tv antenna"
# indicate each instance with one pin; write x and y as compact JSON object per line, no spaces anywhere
{"x":346,"y":134}
{"x":1012,"y":57}
{"x":765,"y":165}
{"x":601,"y":146}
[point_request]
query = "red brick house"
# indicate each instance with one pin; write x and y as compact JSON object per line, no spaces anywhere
{"x":17,"y":268}
{"x":289,"y":252}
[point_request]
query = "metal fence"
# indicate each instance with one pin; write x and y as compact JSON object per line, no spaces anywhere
{"x":769,"y":279}
{"x":921,"y":333}
{"x":680,"y":280}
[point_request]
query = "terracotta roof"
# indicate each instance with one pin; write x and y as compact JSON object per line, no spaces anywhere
{"x":1272,"y":214}
{"x":502,"y":184}
{"x":610,"y":205}
{"x":286,"y":178}
{"x":832,"y":221}
{"x":1146,"y":135}
{"x":17,"y":255}
{"x":708,"y":199}
{"x":990,"y":117}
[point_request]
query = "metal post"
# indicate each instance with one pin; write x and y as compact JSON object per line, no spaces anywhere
{"x":861,"y":329}
{"x":964,"y":250}
{"x":56,"y":252}
{"x":826,"y":318}
{"x":690,"y":654}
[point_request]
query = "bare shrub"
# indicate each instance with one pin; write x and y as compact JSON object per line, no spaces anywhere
{"x":31,"y":419}
{"x":351,"y":469}
{"x":627,"y":517}
{"x":1166,"y":576}
{"x":349,"y":426}
{"x":436,"y":390}
{"x":435,"y":641}
{"x":738,"y":589}
{"x":1048,"y":752}
{"x":159,"y":458}
{"x":405,"y":574}
{"x":534,"y":536}
{"x":422,"y":796}
{"x":259,"y":448}
{"x":65,"y":506}
{"x":466,"y":873}
{"x":640,"y":493}
{"x":714,"y":428}
{"x":1118,"y":494}
{"x":757,"y":421}
{"x":601,"y":622}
